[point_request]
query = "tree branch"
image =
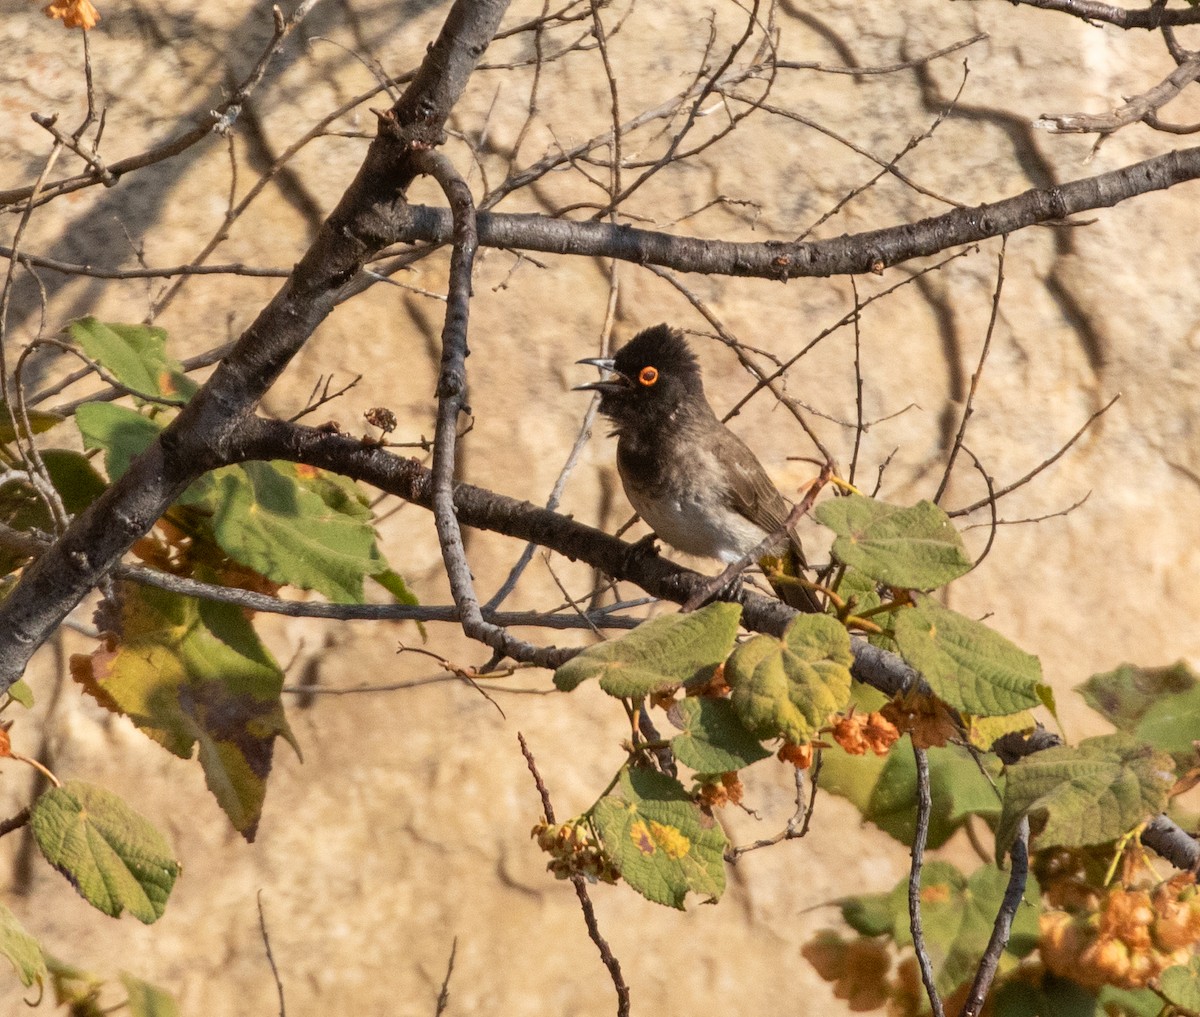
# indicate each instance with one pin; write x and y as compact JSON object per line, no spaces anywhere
{"x":851,"y":254}
{"x":1138,"y":108}
{"x":1002,"y":928}
{"x":1150,"y":18}
{"x":363,"y":222}
{"x":921,"y":834}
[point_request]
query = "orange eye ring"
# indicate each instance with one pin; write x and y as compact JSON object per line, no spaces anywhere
{"x":648,"y":376}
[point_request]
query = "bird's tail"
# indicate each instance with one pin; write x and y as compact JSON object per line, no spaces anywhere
{"x":784,"y":573}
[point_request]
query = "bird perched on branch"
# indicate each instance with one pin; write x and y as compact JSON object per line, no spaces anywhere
{"x":693,"y":480}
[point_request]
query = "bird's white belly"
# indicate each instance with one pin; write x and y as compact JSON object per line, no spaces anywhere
{"x":708,"y":531}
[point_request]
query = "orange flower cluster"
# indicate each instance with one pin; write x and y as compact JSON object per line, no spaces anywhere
{"x":859,"y":732}
{"x":929,"y":721}
{"x":800,"y":756}
{"x":1130,"y":936}
{"x":74,"y":13}
{"x":728,"y":792}
{"x":573,"y":851}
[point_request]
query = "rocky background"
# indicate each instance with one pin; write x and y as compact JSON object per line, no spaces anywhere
{"x":405,"y":828}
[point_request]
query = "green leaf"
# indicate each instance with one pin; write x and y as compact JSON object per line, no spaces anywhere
{"x":789,"y":687}
{"x":146,"y":1000}
{"x":22,"y":693}
{"x":1180,"y":984}
{"x":265,"y":517}
{"x":114,"y":857}
{"x":74,"y":478}
{"x":1114,"y":1002}
{"x":135,"y":355}
{"x":1059,"y":997}
{"x":22,"y":950}
{"x":914,"y":547}
{"x":888,"y":800}
{"x":661,"y":843}
{"x":967,"y":664}
{"x":395,"y":584}
{"x":1158,"y":705}
{"x":122,"y":433}
{"x":853,"y":777}
{"x":957,"y":915}
{"x":670,"y":650}
{"x":76,"y":989}
{"x":1090,"y":794}
{"x":1171,"y":724}
{"x":39,"y":422}
{"x":1124,"y":695}
{"x":871,"y":914}
{"x":23,"y":508}
{"x":713,"y":739}
{"x":188,"y":673}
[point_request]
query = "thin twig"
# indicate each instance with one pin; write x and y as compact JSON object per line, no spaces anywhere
{"x":991,"y":488}
{"x":15,"y":822}
{"x":904,"y":65}
{"x":580,"y":884}
{"x":1129,"y":112}
{"x":443,"y":999}
{"x":968,"y":409}
{"x":262,"y":925}
{"x":992,"y":498}
{"x":218,"y":120}
{"x":859,"y":426}
{"x":451,"y":391}
{"x":920,"y":836}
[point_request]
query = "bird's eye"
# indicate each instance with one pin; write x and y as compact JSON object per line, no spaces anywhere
{"x":648,"y":376}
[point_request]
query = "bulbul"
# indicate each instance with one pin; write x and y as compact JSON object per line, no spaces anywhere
{"x":693,"y":481}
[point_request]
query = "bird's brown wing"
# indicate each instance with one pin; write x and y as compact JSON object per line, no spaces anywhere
{"x":754,"y":496}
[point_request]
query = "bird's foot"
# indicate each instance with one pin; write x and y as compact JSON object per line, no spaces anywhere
{"x":715,"y":589}
{"x":640,"y":550}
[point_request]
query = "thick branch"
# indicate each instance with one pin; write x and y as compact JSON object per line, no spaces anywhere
{"x":1150,"y":18}
{"x":851,"y":254}
{"x":361,"y":224}
{"x":1002,"y":928}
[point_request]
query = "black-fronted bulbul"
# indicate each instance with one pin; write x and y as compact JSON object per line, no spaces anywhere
{"x":693,"y":481}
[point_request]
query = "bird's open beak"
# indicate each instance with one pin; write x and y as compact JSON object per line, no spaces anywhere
{"x":614,"y":384}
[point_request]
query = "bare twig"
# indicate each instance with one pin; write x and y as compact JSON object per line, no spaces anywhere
{"x":797,"y":824}
{"x":262,"y":925}
{"x":993,"y":497}
{"x":968,"y":409}
{"x":903,"y":65}
{"x":1138,"y":108}
{"x":920,"y":836}
{"x":859,"y":427}
{"x":580,"y":884}
{"x":15,"y":822}
{"x":451,"y":390}
{"x":443,"y":999}
{"x":218,"y":120}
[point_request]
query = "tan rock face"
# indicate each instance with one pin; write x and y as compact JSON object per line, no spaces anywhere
{"x":406,"y":827}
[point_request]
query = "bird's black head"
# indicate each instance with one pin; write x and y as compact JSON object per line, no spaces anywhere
{"x":655,"y":374}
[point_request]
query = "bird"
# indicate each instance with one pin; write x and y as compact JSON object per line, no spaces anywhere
{"x":695,"y":483}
